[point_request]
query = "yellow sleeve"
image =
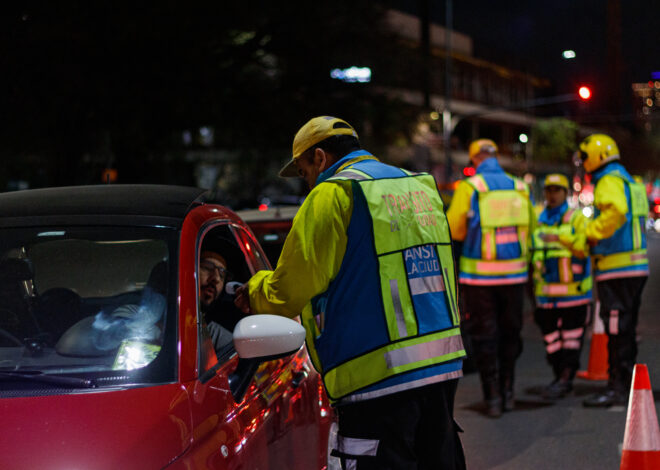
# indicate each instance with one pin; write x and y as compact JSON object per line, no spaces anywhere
{"x":458,"y":210}
{"x":610,"y":199}
{"x":312,"y":253}
{"x":577,"y":241}
{"x":533,"y":221}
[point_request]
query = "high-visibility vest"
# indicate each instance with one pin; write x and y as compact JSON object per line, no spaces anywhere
{"x":495,"y":248}
{"x":624,"y":253}
{"x":561,"y":280}
{"x":389,"y":321}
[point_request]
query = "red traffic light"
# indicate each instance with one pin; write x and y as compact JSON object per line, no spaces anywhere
{"x":584,"y":92}
{"x":469,"y":171}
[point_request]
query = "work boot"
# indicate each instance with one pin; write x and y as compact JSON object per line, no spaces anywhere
{"x":508,"y":401}
{"x":605,"y":399}
{"x":494,"y":407}
{"x":557,"y":389}
{"x":493,"y":399}
{"x":561,"y":386}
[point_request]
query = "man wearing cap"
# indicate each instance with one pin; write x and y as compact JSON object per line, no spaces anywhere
{"x":562,"y":283}
{"x":368,"y":262}
{"x":492,"y":215}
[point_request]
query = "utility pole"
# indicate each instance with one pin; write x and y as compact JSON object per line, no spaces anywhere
{"x":425,"y":12}
{"x":446,"y":112}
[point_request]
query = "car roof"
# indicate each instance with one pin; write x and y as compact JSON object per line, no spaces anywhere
{"x":131,"y":201}
{"x":272,"y":214}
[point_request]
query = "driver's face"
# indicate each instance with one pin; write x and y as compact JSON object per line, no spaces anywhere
{"x":212,"y":274}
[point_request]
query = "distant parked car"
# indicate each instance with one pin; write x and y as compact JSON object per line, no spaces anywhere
{"x":105,"y":357}
{"x":270,"y":225}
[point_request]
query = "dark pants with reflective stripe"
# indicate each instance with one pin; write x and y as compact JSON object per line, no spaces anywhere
{"x":409,"y":430}
{"x":492,"y":316}
{"x":561,"y":326}
{"x":620,"y":300}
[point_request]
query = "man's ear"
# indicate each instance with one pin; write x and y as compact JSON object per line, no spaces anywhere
{"x":321,"y":159}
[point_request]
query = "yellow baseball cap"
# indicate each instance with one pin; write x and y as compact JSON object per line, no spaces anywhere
{"x":313,"y":132}
{"x":482,"y":145}
{"x":556,"y":179}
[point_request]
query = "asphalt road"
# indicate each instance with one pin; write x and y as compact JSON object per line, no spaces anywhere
{"x":540,"y":434}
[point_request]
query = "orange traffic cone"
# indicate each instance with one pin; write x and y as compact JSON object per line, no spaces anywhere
{"x":598,"y":365}
{"x":641,"y":441}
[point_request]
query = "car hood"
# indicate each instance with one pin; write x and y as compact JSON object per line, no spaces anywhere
{"x":133,"y":428}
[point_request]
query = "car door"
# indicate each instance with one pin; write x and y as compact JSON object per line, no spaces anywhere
{"x":258,"y":431}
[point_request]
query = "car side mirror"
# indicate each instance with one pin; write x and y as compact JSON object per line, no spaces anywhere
{"x":259,"y":338}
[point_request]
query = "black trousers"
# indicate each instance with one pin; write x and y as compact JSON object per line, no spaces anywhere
{"x":620,"y":300}
{"x":409,"y":430}
{"x":492,"y":317}
{"x":563,"y":334}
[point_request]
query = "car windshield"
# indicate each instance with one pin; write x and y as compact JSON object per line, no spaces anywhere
{"x":95,"y":303}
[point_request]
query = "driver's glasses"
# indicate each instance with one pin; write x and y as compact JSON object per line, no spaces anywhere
{"x":209,"y":268}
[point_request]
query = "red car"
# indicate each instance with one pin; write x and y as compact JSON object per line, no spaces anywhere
{"x":105,"y":357}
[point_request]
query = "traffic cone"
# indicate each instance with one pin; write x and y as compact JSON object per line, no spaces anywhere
{"x":598,"y":365}
{"x":641,"y":441}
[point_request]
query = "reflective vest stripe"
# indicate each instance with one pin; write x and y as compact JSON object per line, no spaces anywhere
{"x":567,"y":303}
{"x":478,"y":182}
{"x":405,"y":386}
{"x":621,"y":274}
{"x":451,"y":280}
{"x":564,"y":289}
{"x":571,"y":344}
{"x":621,"y":260}
{"x":551,"y":337}
{"x":356,"y":446}
{"x":565,"y":273}
{"x":398,"y":309}
{"x":637,"y":234}
{"x":506,"y":237}
{"x":420,"y":352}
{"x":373,"y":366}
{"x":351,"y":174}
{"x":494,"y":282}
{"x":473,"y":266}
{"x":575,"y":333}
{"x":553,"y":347}
{"x":399,"y":314}
{"x":488,"y":247}
{"x":425,"y":285}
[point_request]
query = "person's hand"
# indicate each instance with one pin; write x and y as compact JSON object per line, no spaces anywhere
{"x":549,"y":237}
{"x":242,"y":299}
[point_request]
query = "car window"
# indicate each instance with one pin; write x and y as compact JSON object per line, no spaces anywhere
{"x":252,"y":250}
{"x":217,"y":314}
{"x":93,"y":302}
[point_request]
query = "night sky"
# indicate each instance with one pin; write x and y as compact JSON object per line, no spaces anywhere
{"x":530,"y":36}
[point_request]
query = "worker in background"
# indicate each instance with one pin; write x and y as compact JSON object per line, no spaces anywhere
{"x":618,"y":239}
{"x":562,"y":283}
{"x":368,"y":261}
{"x":492,"y":214}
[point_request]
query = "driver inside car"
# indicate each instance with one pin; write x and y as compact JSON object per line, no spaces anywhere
{"x":213,"y":274}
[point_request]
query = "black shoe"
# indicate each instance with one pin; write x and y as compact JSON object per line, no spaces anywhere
{"x":508,"y":401}
{"x":557,"y":389}
{"x":605,"y":399}
{"x":494,"y":407}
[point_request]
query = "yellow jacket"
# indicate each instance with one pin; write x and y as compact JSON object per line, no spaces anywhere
{"x":312,"y":253}
{"x":610,"y":198}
